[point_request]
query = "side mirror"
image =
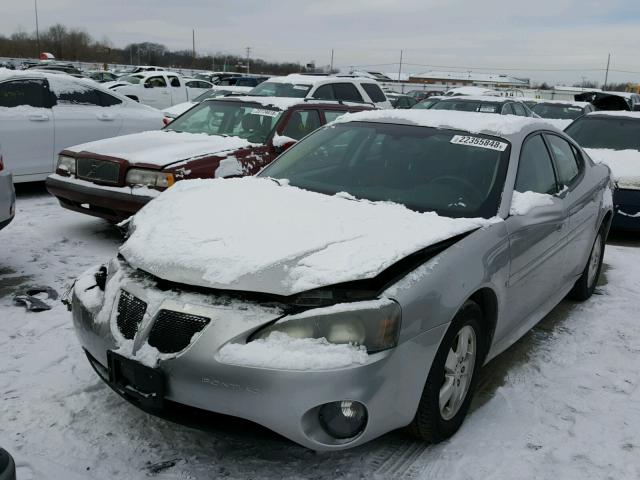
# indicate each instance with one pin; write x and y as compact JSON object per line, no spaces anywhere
{"x":148,"y":85}
{"x":282,"y":143}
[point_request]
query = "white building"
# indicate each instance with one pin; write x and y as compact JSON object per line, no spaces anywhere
{"x":461,"y":79}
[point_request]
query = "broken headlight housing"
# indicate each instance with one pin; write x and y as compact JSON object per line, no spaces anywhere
{"x":374,"y":324}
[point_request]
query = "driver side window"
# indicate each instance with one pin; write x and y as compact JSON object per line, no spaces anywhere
{"x":535,"y":170}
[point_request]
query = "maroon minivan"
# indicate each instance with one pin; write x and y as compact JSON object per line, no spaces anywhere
{"x":220,"y":137}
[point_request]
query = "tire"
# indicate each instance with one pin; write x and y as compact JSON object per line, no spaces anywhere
{"x":431,"y":422}
{"x":587,"y":282}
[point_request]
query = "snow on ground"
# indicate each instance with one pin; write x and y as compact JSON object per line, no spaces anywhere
{"x":563,"y":403}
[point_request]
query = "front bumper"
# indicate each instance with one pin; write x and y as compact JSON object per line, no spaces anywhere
{"x":111,"y":203}
{"x":627,"y":209}
{"x":389,"y":384}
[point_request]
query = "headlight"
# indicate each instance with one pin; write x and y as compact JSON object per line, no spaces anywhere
{"x":374,"y":324}
{"x":149,"y":178}
{"x":67,"y":164}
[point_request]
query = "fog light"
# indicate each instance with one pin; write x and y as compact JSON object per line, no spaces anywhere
{"x":344,"y":419}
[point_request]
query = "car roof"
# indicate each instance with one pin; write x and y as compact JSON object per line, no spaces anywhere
{"x":317,"y":79}
{"x":558,"y":102}
{"x":478,"y":98}
{"x":615,"y":113}
{"x":284,"y":103}
{"x":510,"y":127}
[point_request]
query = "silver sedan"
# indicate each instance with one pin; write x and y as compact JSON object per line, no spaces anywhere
{"x":358,"y":284}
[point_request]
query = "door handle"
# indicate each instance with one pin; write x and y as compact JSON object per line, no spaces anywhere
{"x":105,"y":118}
{"x":38,"y":117}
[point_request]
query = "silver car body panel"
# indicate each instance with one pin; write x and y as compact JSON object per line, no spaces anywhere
{"x":7,"y":198}
{"x":518,"y":269}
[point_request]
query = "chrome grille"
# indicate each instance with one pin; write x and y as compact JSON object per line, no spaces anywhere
{"x":99,"y":170}
{"x":130,"y":313}
{"x":173,"y":331}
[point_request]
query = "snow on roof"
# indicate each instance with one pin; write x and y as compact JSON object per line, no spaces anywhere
{"x":466,"y":91}
{"x":161,"y":147}
{"x":615,"y":113}
{"x":563,"y":88}
{"x":399,"y":77}
{"x":572,"y":103}
{"x":281,"y":103}
{"x":244,"y":246}
{"x":489,"y":123}
{"x":471,"y":76}
{"x":478,"y":98}
{"x":624,"y":165}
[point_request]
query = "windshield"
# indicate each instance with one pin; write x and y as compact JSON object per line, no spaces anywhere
{"x":426,"y":169}
{"x":130,"y":78}
{"x":468,"y":106}
{"x":247,"y":120}
{"x":275,"y":89}
{"x":426,"y":104}
{"x":606,"y":132}
{"x":554,"y":110}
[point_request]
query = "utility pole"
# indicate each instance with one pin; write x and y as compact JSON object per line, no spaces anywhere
{"x":606,"y":75}
{"x":331,"y":67}
{"x":35,"y":2}
{"x":400,"y":71}
{"x":193,"y":40}
{"x":248,"y":56}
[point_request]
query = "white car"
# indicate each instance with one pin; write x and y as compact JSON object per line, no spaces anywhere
{"x":342,"y":88}
{"x":158,"y":89}
{"x":44,"y":113}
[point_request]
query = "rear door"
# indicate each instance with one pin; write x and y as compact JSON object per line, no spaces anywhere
{"x":26,"y":128}
{"x":79,"y":114}
{"x":178,"y":90}
{"x":155,"y":92}
{"x":537,"y":231}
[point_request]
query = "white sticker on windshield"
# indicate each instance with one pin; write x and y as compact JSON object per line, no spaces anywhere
{"x":479,"y":142}
{"x":301,"y":87}
{"x":264,"y":112}
{"x":487,"y":108}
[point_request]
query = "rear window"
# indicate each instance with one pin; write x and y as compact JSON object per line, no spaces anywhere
{"x":606,"y":132}
{"x":564,"y":112}
{"x":375,"y":92}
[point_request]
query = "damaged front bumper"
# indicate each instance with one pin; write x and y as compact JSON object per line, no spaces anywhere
{"x":388,"y":384}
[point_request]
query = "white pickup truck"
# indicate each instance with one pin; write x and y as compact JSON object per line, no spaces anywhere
{"x":158,"y":89}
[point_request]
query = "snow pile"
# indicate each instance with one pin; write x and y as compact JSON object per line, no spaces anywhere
{"x":489,"y":123}
{"x":523,"y":203}
{"x":266,"y":236}
{"x":338,"y":308}
{"x":559,"y":123}
{"x":282,"y":140}
{"x":161,"y":147}
{"x":228,"y":167}
{"x":624,"y":165}
{"x":281,"y":351}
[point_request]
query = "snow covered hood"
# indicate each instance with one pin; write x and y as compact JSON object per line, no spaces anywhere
{"x":161,"y":147}
{"x":264,"y":237}
{"x":624,"y":165}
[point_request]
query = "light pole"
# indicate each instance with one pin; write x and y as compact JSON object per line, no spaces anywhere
{"x":35,"y":2}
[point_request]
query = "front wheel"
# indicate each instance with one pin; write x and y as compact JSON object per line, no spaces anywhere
{"x":587,"y":282}
{"x":449,"y":388}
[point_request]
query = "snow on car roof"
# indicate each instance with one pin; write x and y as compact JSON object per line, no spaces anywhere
{"x":572,"y":103}
{"x":315,"y":79}
{"x":615,"y":113}
{"x":464,"y":91}
{"x":479,"y":98}
{"x":281,"y":103}
{"x":489,"y":123}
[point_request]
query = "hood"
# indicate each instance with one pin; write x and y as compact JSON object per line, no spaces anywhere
{"x":624,"y":165}
{"x":253,"y":234}
{"x":162,"y":147}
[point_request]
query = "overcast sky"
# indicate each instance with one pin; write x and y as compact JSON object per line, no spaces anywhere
{"x":543,"y":36}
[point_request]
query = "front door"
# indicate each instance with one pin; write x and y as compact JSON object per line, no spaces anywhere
{"x":26,"y":128}
{"x":537,"y":232}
